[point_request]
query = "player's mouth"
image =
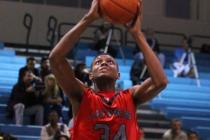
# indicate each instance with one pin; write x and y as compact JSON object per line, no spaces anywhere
{"x":103,"y":69}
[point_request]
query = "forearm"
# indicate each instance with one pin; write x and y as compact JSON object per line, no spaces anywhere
{"x":66,"y":44}
{"x":58,"y":62}
{"x":154,"y":67}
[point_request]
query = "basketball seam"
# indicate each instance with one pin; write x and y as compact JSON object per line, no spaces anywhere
{"x":122,"y":7}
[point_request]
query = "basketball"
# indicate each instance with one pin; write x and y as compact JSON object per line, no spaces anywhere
{"x":119,"y":11}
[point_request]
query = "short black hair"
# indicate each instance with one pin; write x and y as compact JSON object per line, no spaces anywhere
{"x":53,"y":110}
{"x":192,"y":132}
{"x":44,"y":59}
{"x":31,"y":58}
{"x":175,"y":120}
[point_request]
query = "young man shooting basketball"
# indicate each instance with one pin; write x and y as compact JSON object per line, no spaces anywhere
{"x":104,"y":113}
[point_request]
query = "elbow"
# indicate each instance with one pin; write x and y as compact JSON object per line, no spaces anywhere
{"x":54,"y":58}
{"x":162,"y":83}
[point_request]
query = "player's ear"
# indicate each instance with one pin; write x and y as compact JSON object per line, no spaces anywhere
{"x":118,"y":75}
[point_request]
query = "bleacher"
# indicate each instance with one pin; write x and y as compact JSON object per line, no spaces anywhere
{"x":27,"y":132}
{"x":181,"y":99}
{"x":9,"y":66}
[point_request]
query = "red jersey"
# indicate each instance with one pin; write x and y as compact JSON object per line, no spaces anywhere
{"x":106,"y":116}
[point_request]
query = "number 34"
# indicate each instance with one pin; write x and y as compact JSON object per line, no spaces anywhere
{"x":120,"y":134}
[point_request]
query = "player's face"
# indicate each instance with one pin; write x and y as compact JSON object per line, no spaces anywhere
{"x":104,"y":66}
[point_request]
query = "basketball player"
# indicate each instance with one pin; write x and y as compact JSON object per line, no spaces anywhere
{"x":102,"y":113}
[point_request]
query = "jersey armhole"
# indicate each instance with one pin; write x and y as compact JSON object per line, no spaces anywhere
{"x":134,"y":101}
{"x":85,"y":95}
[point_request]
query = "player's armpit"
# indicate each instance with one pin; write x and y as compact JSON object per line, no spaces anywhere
{"x":146,"y":91}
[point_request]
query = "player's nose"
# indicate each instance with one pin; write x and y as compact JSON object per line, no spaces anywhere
{"x":104,"y":63}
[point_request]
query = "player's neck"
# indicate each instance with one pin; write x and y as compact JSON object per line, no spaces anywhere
{"x":104,"y":85}
{"x":107,"y":89}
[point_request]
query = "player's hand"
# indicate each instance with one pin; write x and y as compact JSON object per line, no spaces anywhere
{"x":93,"y":13}
{"x":135,"y":27}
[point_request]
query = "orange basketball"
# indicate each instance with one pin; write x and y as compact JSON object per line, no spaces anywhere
{"x":119,"y":11}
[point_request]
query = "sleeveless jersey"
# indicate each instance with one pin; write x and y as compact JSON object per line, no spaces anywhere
{"x":101,"y":118}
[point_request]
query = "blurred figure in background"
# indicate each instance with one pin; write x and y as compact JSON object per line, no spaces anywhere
{"x":139,"y":70}
{"x":136,"y":70}
{"x":192,"y":135}
{"x":26,"y":99}
{"x":44,"y":69}
{"x":141,"y":134}
{"x":30,"y":66}
{"x":175,"y":132}
{"x":182,"y":65}
{"x":82,"y":73}
{"x":101,"y":34}
{"x":52,"y":96}
{"x":153,"y":43}
{"x":53,"y":130}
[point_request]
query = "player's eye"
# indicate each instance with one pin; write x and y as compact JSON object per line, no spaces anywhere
{"x":110,"y":62}
{"x":98,"y":62}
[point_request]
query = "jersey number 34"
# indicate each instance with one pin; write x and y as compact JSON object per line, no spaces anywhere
{"x":119,"y":135}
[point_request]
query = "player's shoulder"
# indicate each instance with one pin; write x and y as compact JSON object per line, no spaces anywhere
{"x":127,"y":92}
{"x":132,"y":89}
{"x":89,"y":92}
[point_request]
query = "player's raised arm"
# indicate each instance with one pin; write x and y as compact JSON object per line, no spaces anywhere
{"x":60,"y":66}
{"x":158,"y":80}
